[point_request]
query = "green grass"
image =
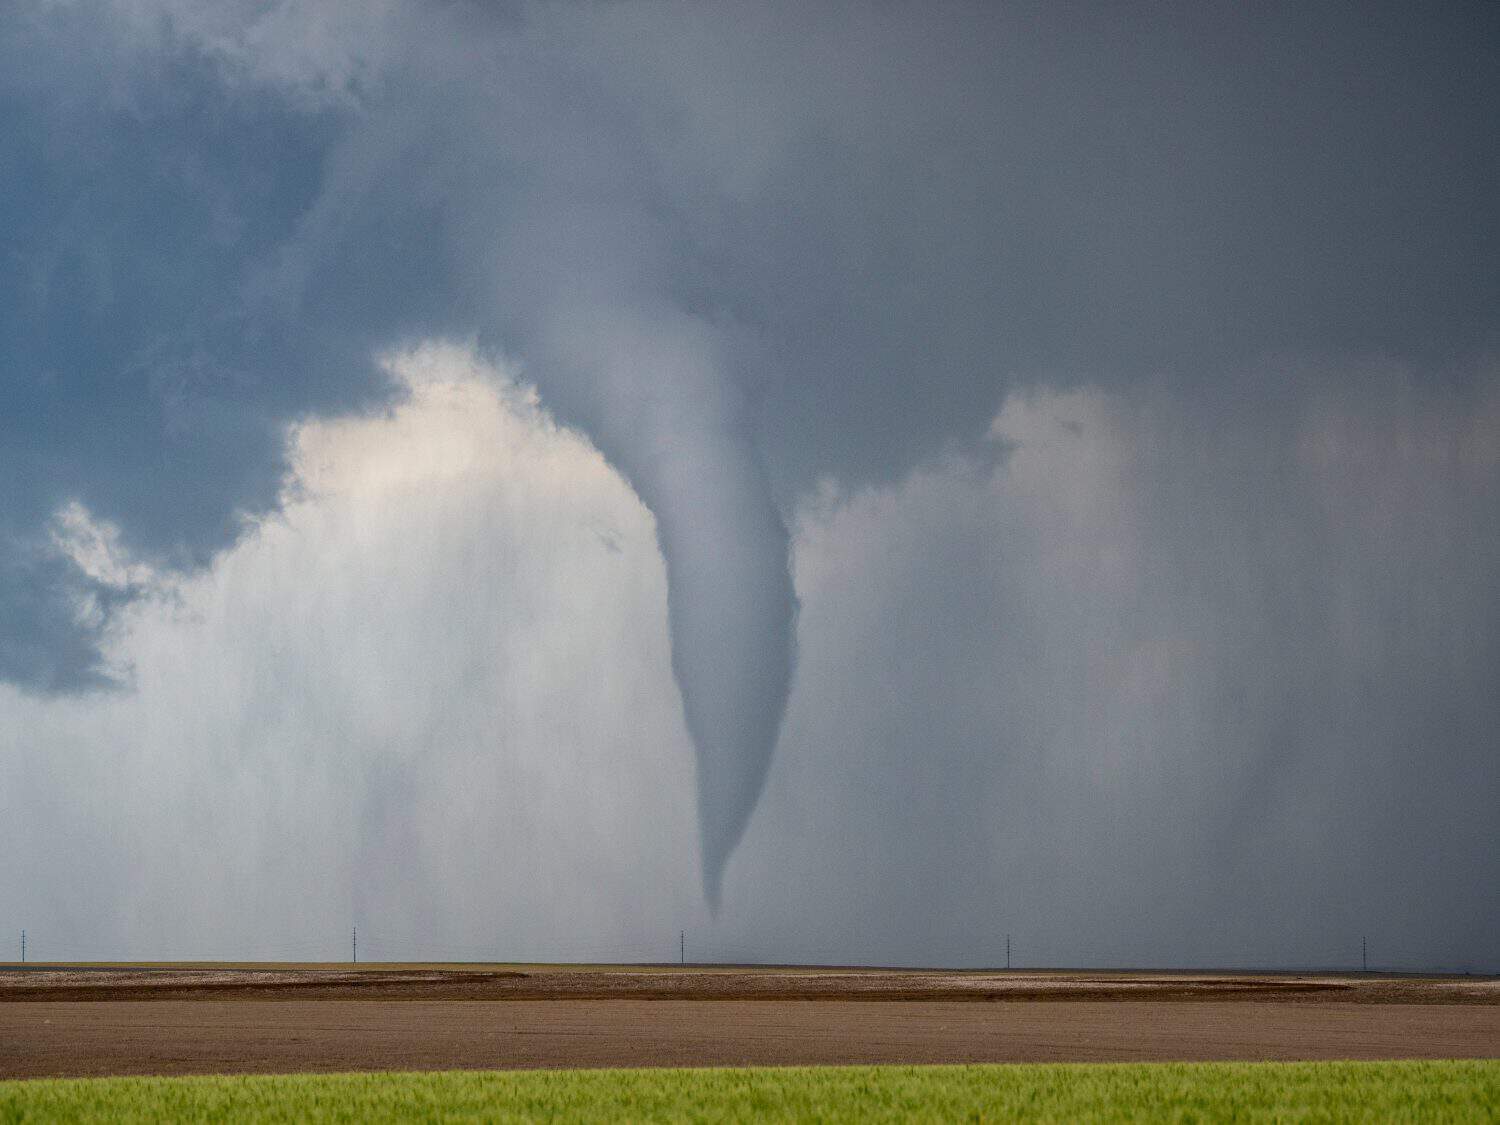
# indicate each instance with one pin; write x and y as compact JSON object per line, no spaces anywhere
{"x":1346,"y":1091}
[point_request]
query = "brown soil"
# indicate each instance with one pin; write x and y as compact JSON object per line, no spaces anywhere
{"x":199,"y":1020}
{"x":543,"y":982}
{"x":218,"y":1037}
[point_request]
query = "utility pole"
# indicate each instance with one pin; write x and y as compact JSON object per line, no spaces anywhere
{"x":1007,"y":951}
{"x":23,"y":947}
{"x":354,"y":944}
{"x":1364,"y":956}
{"x":682,"y":946}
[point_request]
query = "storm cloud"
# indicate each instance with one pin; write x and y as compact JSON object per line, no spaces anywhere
{"x":1078,"y":422}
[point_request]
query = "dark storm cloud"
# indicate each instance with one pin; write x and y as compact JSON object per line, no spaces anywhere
{"x":925,"y":207}
{"x":742,"y":248}
{"x":133,"y":195}
{"x":894,"y":213}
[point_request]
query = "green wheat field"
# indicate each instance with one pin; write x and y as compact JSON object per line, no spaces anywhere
{"x":1340,"y":1091}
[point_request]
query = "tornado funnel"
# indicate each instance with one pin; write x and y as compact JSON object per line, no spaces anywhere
{"x":654,"y":398}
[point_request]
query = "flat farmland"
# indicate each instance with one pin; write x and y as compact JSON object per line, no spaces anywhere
{"x":220,"y":1019}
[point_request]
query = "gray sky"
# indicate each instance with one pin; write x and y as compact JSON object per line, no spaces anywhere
{"x":526,"y":475}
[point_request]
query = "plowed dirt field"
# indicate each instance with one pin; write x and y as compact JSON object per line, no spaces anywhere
{"x":69,"y":1020}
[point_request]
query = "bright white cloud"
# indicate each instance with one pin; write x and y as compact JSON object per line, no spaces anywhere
{"x":431,"y":694}
{"x":94,"y":547}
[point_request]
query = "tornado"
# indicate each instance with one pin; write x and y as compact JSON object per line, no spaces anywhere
{"x":732,"y":611}
{"x":652,"y":393}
